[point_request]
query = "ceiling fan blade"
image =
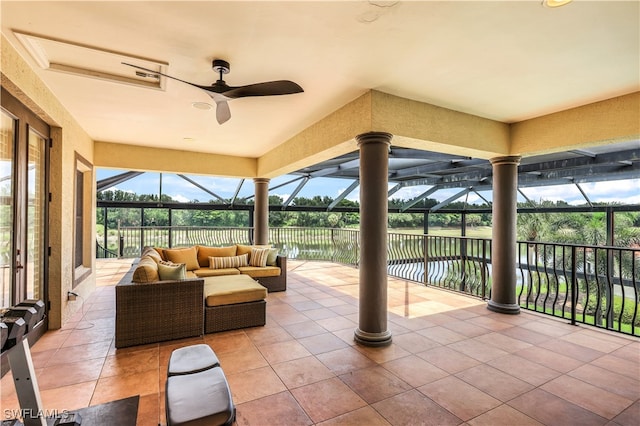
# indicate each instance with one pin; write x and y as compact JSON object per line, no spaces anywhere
{"x":269,"y":88}
{"x":165,"y":75}
{"x":223,"y":113}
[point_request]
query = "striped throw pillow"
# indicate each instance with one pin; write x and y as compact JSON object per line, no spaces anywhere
{"x":259,"y":256}
{"x":228,"y":261}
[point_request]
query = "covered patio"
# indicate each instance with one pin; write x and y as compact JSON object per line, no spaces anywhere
{"x":451,"y":361}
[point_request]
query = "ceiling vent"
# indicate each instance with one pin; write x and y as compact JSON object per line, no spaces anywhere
{"x":77,"y":59}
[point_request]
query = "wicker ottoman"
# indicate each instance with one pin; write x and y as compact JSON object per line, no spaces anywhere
{"x":232,"y":302}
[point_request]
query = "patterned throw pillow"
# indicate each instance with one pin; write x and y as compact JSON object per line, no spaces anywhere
{"x":259,"y":256}
{"x":168,"y":271}
{"x":228,"y":261}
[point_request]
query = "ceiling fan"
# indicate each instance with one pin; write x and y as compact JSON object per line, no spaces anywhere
{"x":221,"y":92}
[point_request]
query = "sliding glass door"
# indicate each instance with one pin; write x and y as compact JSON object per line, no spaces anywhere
{"x":24,"y":142}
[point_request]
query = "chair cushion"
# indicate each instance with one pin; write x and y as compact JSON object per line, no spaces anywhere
{"x":192,"y":359}
{"x":208,"y":272}
{"x":231,"y":289}
{"x":205,"y":252}
{"x":257,"y":272}
{"x":188,"y":256}
{"x":273,"y":256}
{"x":199,"y":399}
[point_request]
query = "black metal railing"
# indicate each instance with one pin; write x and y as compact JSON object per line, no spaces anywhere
{"x":104,"y":253}
{"x":593,"y":285}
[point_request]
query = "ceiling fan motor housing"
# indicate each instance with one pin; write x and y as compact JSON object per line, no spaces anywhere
{"x":221,"y":66}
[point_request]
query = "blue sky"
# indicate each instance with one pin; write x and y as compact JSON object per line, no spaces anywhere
{"x":627,"y":192}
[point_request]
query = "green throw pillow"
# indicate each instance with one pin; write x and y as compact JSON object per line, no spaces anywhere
{"x":271,"y":258}
{"x":172,"y":271}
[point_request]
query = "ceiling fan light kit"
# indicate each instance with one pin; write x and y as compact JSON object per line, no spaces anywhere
{"x":221,"y":92}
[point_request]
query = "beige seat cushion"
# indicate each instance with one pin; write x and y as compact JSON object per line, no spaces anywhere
{"x":190,"y":274}
{"x":208,"y":272}
{"x":260,"y":271}
{"x":232,"y":289}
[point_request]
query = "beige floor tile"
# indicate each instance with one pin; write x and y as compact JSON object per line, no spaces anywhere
{"x":375,"y":383}
{"x":413,"y":408}
{"x":503,"y":415}
{"x":254,"y":384}
{"x":592,"y":398}
{"x":414,"y":370}
{"x":274,"y":410}
{"x":118,"y":387}
{"x":362,"y":416}
{"x":460,"y":398}
{"x":494,"y":382}
{"x":302,"y":371}
{"x":327,"y":399}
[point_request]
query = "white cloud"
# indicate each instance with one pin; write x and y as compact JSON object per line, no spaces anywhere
{"x":180,"y":198}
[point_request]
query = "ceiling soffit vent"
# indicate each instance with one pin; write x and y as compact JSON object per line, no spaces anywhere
{"x":77,"y":59}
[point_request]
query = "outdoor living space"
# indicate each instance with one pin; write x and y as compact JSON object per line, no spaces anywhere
{"x":452,"y":361}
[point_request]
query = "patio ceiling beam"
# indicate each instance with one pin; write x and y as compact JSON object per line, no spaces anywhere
{"x":406,"y":206}
{"x":197,"y":185}
{"x":295,"y":192}
{"x":480,"y":195}
{"x":450,"y":200}
{"x":395,"y":189}
{"x":619,"y":157}
{"x":340,"y":167}
{"x":282,"y":184}
{"x":235,"y":194}
{"x":344,"y":193}
{"x":440,"y":167}
{"x":107,"y":183}
{"x":527,"y":198}
{"x":584,"y":194}
{"x":424,"y":155}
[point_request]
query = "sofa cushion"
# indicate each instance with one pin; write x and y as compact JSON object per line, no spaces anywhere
{"x":168,"y":271}
{"x":258,"y":257}
{"x":205,"y":252}
{"x":208,"y":272}
{"x":228,"y":262}
{"x":232,"y":289}
{"x":146,"y":271}
{"x":242,"y":249}
{"x":160,"y":252}
{"x":188,"y":256}
{"x":273,"y":257}
{"x":257,"y":272}
{"x":152,"y":253}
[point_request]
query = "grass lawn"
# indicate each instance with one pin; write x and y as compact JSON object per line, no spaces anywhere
{"x":475,"y":232}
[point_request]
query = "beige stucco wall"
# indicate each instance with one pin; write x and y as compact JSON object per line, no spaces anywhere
{"x":68,"y":139}
{"x":140,"y":158}
{"x":609,"y":121}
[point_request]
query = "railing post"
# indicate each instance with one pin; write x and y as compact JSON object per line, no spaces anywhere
{"x":425,"y":239}
{"x":120,"y":241}
{"x":574,"y":284}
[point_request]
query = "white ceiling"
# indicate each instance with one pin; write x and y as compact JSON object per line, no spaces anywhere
{"x":507,"y":61}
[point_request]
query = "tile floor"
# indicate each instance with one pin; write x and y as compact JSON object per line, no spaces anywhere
{"x":451,"y":362}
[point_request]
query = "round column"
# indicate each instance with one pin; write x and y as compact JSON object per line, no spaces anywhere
{"x":261,"y":211}
{"x":374,"y":166}
{"x":504,"y":235}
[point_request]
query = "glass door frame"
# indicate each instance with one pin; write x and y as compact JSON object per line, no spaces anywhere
{"x":25,"y":122}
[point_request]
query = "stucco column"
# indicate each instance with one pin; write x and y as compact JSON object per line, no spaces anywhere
{"x":374,"y":166}
{"x":504,"y":235}
{"x":261,"y":211}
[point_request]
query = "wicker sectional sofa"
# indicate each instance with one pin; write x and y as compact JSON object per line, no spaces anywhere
{"x":168,"y":309}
